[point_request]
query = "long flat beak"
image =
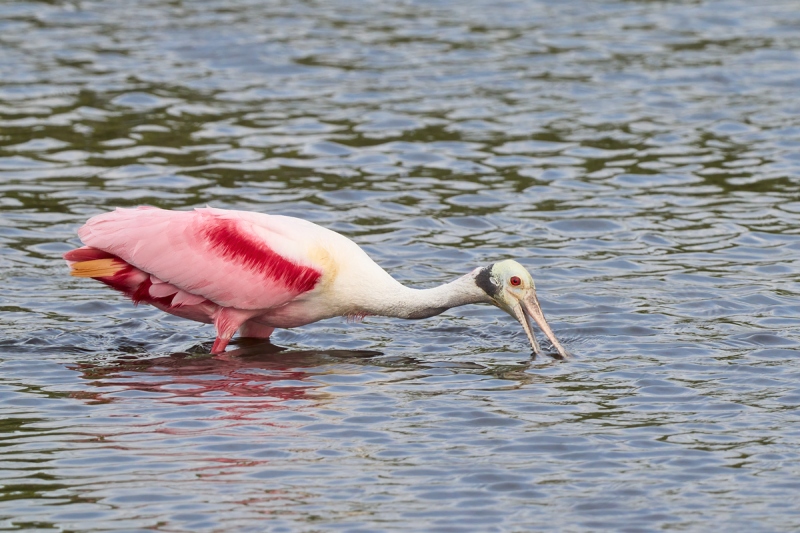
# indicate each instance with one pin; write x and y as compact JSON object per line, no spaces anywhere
{"x":529,"y":308}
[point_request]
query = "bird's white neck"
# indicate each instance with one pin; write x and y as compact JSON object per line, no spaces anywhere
{"x":393,"y":299}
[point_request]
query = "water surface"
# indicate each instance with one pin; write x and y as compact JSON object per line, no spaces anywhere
{"x":641,"y":158}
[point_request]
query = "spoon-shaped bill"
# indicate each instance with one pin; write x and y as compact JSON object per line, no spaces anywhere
{"x":523,"y":319}
{"x":529,"y":308}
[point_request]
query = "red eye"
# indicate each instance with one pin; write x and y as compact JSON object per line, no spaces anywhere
{"x":515,"y":281}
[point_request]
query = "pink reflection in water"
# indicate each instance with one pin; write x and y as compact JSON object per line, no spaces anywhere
{"x":243,"y":381}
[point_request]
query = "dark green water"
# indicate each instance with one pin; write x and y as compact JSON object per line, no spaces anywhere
{"x":641,"y":158}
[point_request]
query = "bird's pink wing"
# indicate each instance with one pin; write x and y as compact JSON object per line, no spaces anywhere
{"x":232,"y":258}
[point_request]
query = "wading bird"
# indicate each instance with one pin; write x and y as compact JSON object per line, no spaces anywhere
{"x":252,"y":273}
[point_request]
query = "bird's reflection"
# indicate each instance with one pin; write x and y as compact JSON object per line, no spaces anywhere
{"x":261,"y":375}
{"x":256,"y":369}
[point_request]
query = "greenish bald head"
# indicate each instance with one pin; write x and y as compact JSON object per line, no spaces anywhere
{"x":511,"y":288}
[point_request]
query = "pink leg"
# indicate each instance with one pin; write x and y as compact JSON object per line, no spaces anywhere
{"x":227,"y":320}
{"x":255,"y":329}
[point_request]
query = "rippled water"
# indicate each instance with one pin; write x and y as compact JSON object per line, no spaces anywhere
{"x":642,"y":158}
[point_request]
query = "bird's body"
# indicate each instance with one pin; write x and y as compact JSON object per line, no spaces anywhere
{"x":252,"y":272}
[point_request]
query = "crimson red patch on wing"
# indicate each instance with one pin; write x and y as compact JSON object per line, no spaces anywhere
{"x":227,"y":238}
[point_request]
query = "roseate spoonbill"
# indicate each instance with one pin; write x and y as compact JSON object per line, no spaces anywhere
{"x":252,"y":273}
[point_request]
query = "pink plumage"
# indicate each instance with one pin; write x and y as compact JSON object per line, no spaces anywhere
{"x":220,"y":255}
{"x":208,"y":265}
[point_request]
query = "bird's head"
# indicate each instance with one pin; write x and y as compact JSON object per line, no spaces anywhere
{"x":510,"y":287}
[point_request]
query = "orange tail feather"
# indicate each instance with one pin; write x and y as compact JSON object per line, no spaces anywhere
{"x":96,"y":268}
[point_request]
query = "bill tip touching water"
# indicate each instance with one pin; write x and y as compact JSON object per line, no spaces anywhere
{"x":250,"y":273}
